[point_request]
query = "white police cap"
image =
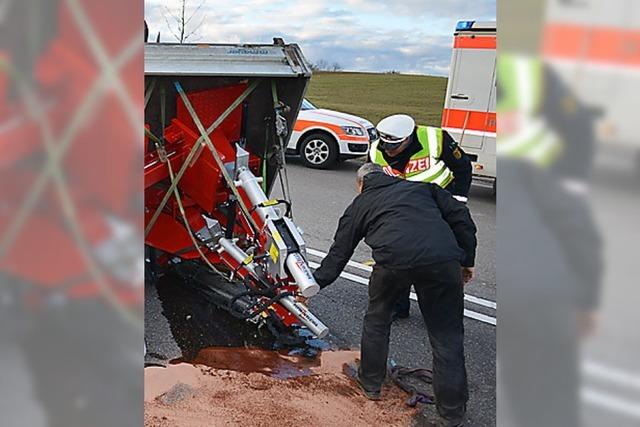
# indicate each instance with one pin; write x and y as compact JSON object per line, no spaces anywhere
{"x":394,"y":129}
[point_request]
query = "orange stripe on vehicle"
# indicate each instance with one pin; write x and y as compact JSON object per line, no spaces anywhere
{"x":467,"y":119}
{"x":304,"y":125}
{"x":596,"y":44}
{"x":474,"y":42}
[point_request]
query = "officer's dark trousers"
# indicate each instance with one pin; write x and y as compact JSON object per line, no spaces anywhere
{"x":440,"y":296}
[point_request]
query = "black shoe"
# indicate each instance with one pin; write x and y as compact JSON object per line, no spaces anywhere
{"x":438,"y":423}
{"x":371,"y":395}
{"x":351,"y":370}
{"x":441,"y":422}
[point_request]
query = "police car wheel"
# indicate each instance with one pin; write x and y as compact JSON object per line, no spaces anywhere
{"x":319,"y":151}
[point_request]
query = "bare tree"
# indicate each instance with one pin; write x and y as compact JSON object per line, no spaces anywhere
{"x":179,"y":21}
{"x":321,"y":65}
{"x":324,"y":65}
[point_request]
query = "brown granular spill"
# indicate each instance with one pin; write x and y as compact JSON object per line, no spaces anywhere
{"x":222,"y":397}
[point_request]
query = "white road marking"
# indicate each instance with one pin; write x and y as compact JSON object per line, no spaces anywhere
{"x":480,"y":301}
{"x":611,"y":374}
{"x":605,"y":400}
{"x":481,"y":317}
{"x":358,"y":279}
{"x":611,"y":402}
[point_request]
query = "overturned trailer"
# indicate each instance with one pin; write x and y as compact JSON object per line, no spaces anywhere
{"x":217,"y":121}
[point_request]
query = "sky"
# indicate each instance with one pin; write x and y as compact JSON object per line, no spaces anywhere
{"x":409,"y":36}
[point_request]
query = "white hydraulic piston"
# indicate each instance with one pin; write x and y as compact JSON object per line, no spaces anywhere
{"x":316,"y":327}
{"x":237,"y":254}
{"x":301,"y":273}
{"x":251,"y":185}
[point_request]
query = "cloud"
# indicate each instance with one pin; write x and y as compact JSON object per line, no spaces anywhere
{"x":361,"y":35}
{"x":455,"y":9}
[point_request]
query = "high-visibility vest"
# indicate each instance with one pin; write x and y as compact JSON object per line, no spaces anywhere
{"x":521,"y":84}
{"x":423,"y":166}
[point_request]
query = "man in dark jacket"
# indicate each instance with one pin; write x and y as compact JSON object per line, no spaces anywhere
{"x":425,"y":154}
{"x":419,"y":235}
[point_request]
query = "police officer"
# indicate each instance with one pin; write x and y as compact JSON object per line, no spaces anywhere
{"x":424,"y":154}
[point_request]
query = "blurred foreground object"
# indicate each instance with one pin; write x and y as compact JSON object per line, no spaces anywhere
{"x":71,"y":263}
{"x":564,"y":69}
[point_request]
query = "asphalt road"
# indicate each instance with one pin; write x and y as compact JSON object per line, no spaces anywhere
{"x":174,"y":318}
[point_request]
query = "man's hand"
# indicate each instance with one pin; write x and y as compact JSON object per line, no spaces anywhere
{"x":467,"y":274}
{"x":302,"y":300}
{"x":587,"y":323}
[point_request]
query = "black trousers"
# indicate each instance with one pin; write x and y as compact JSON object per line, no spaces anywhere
{"x":403,"y":305}
{"x":441,"y":300}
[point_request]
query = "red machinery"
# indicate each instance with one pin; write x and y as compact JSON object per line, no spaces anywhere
{"x":217,"y":118}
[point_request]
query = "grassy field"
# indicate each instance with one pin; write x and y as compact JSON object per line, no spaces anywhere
{"x":374,"y":96}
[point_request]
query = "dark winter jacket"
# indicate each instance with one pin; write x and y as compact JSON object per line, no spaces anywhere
{"x":406,"y":224}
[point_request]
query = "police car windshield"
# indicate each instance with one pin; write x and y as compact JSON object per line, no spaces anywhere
{"x":306,"y":105}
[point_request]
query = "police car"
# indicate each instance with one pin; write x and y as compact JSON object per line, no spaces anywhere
{"x":323,"y":137}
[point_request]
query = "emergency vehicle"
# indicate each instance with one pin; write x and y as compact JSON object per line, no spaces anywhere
{"x":323,"y":137}
{"x":469,"y":113}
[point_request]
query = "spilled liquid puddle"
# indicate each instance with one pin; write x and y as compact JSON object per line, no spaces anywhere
{"x":272,"y":363}
{"x":280,"y":365}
